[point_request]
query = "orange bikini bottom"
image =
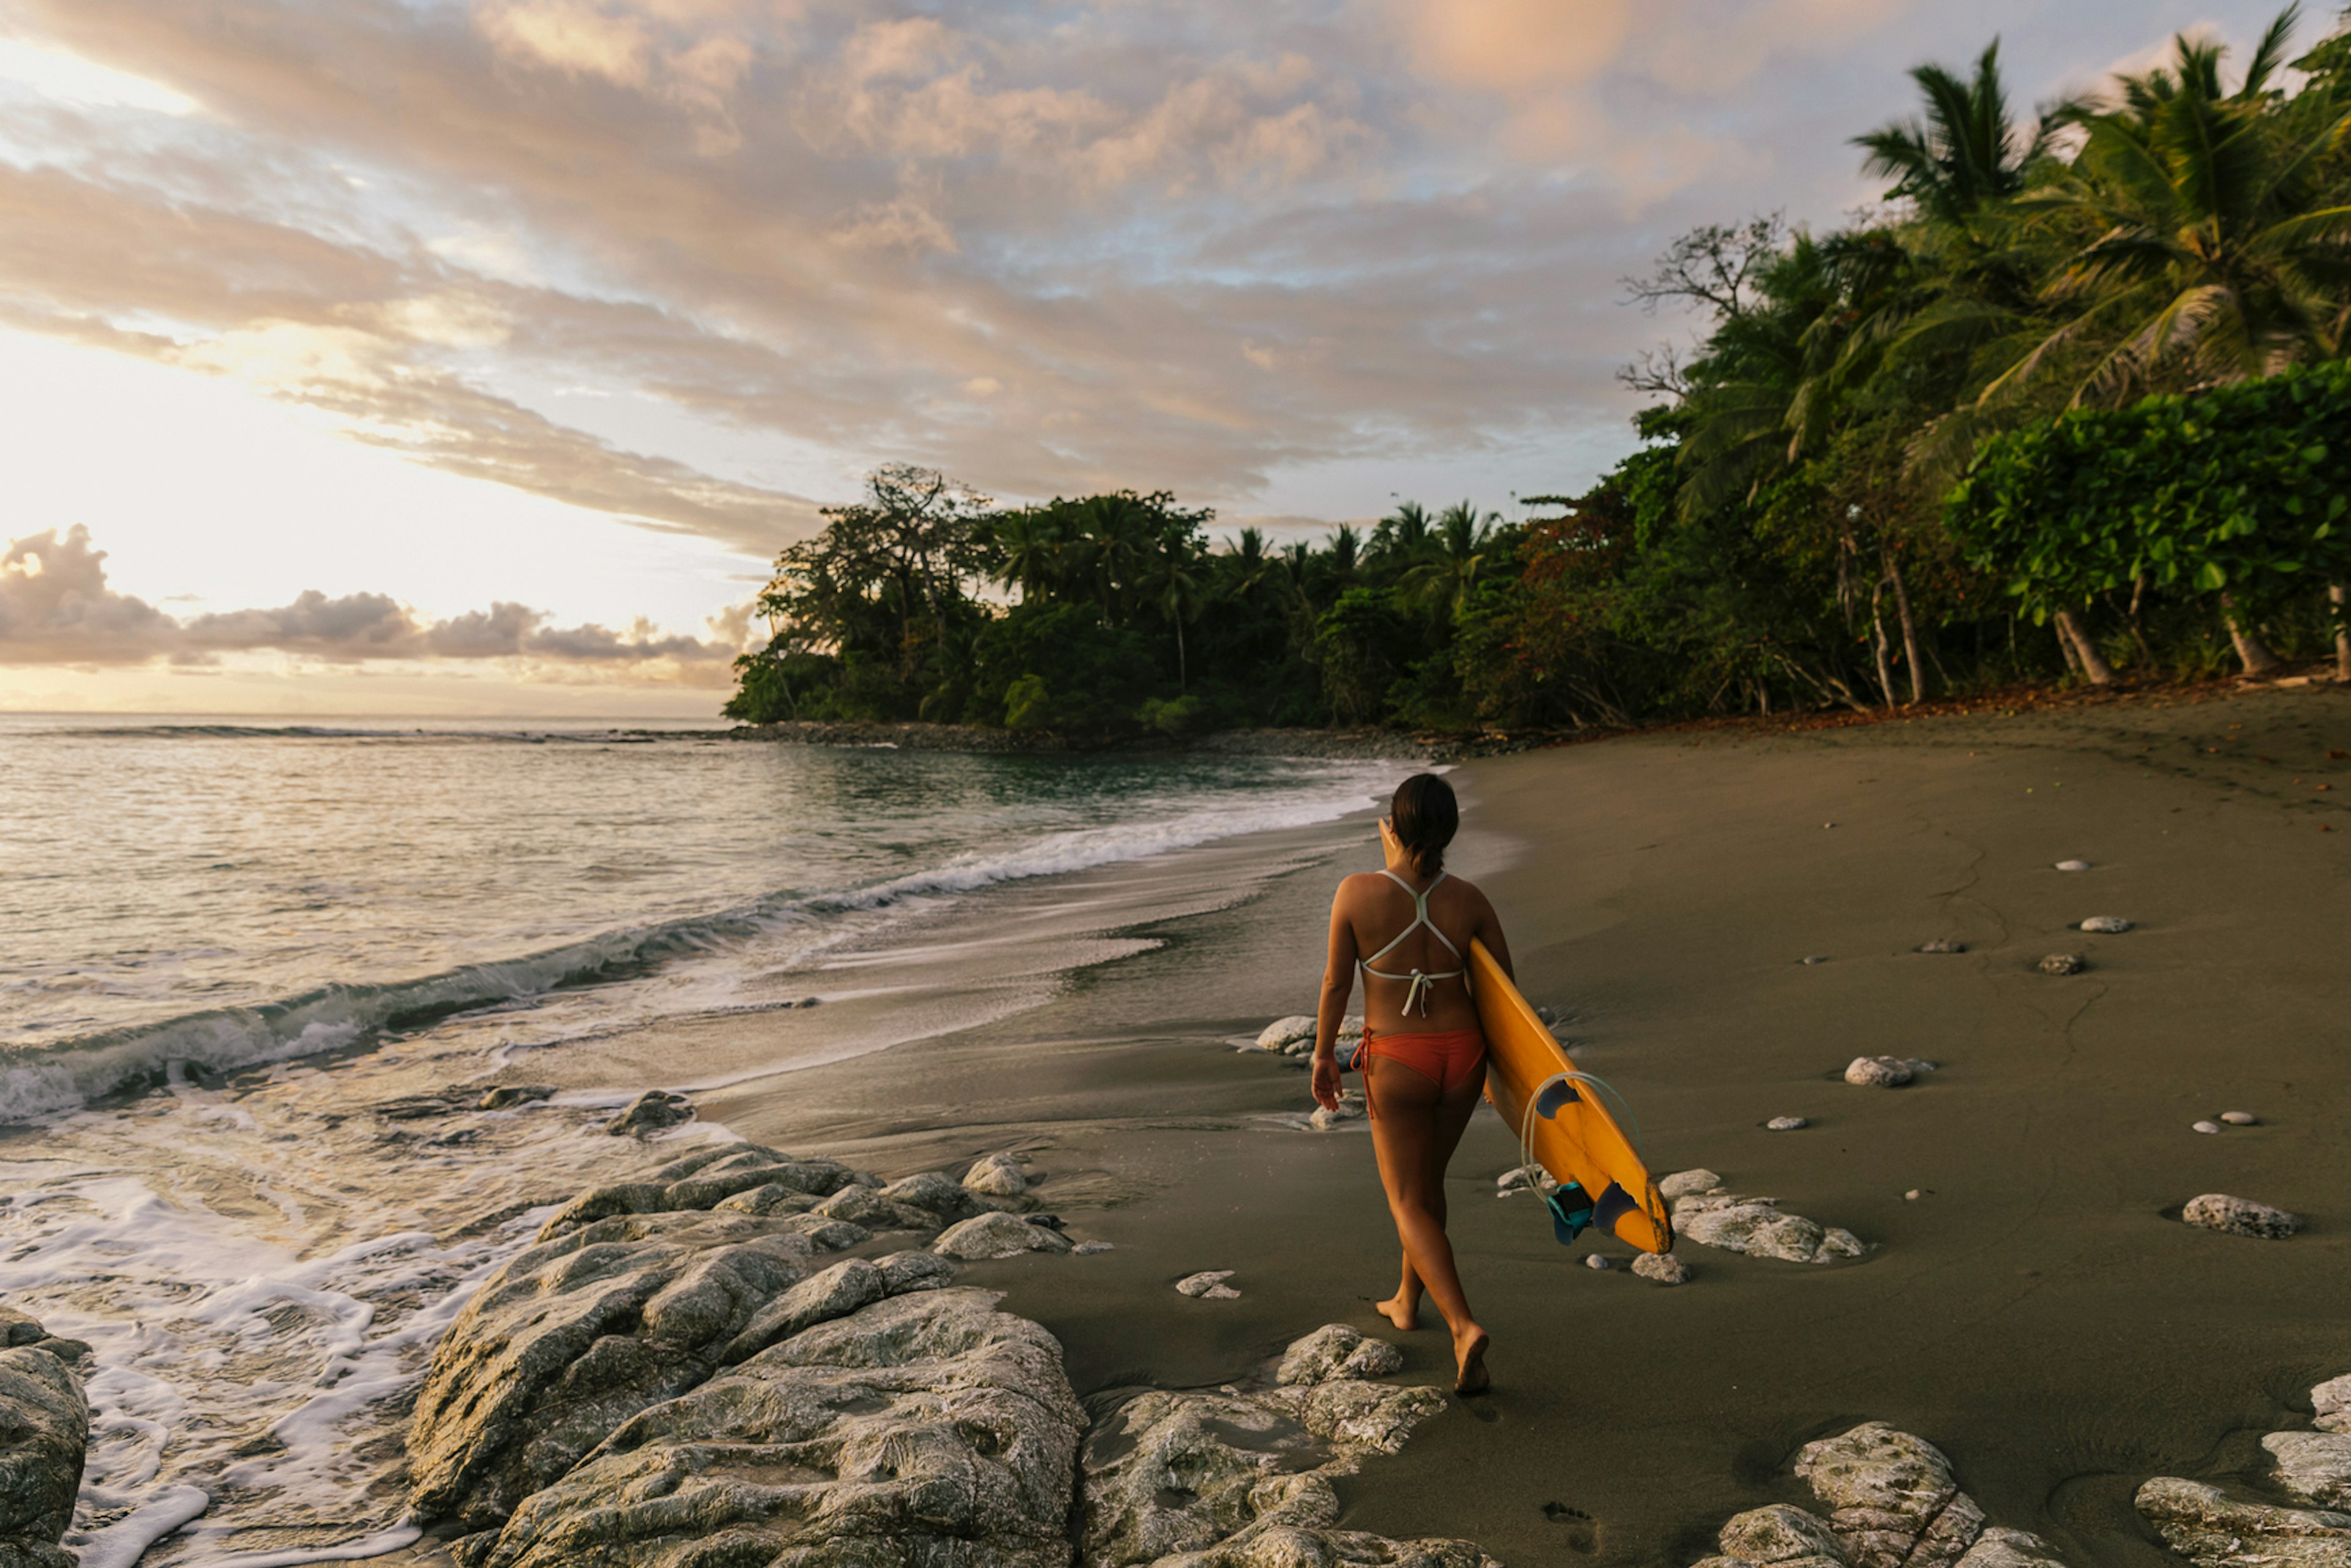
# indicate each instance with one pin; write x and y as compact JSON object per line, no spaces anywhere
{"x":1448,"y":1060}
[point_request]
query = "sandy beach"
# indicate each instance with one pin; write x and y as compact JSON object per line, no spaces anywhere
{"x":2038,"y":1311}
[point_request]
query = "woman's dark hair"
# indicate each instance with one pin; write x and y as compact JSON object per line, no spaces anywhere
{"x":1425,"y":815}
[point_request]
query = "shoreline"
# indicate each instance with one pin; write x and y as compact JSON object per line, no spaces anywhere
{"x":1664,"y":903}
{"x":1663,"y":900}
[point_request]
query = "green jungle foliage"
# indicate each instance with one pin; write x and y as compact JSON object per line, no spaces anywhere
{"x":2074,"y":400}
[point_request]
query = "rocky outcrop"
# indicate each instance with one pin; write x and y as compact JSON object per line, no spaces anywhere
{"x":2214,"y":1530}
{"x":2313,"y":1466}
{"x":1894,"y":1503}
{"x":44,"y":1429}
{"x":918,"y":1430}
{"x":1710,"y":1214}
{"x":638,"y":1292}
{"x":1242,"y":1478}
{"x":669,"y":1378}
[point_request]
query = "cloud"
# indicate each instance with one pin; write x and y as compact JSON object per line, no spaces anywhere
{"x":1206,"y":246}
{"x":57,"y":608}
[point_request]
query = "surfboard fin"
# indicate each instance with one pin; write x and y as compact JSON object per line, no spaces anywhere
{"x":1571,"y":1212}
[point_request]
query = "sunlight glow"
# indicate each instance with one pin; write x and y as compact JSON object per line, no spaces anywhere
{"x":70,"y":78}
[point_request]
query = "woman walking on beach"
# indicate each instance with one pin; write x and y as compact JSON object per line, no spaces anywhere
{"x":1409,"y":927}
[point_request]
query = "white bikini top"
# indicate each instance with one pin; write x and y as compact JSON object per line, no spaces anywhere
{"x":1422,"y":984}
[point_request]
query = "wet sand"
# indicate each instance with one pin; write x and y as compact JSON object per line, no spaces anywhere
{"x":2036,"y":1313}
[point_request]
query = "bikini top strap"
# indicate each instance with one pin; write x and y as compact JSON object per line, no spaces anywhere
{"x":1420,"y":918}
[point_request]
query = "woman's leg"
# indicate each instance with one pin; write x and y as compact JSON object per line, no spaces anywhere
{"x":1415,"y":1129}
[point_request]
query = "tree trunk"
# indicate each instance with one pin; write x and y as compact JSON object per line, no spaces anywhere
{"x":1183,"y":675}
{"x":1909,"y":627}
{"x":2093,"y":663}
{"x":2066,"y":647}
{"x":2138,"y":631}
{"x":1877,"y":625}
{"x":2252,"y":651}
{"x":2342,"y":633}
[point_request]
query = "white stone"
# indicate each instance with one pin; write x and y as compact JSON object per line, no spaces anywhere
{"x":2072,"y":865}
{"x":998,"y":1176}
{"x":1208,"y":1285}
{"x":2241,"y":1216}
{"x":1781,"y":1532}
{"x":1913,"y":1196}
{"x":2241,"y":1118}
{"x":2332,"y":1401}
{"x":1755,"y":1226}
{"x":2106,"y":924}
{"x":2211,"y":1529}
{"x":997,"y":1236}
{"x":1335,"y":1351}
{"x":1786,"y":1124}
{"x":1597,"y":1261}
{"x":1088,"y":1249}
{"x":1878,"y":1071}
{"x":1942,"y":945}
{"x":2333,"y":1405}
{"x":1284,"y":1032}
{"x":1325,"y":1117}
{"x":1682,"y":1184}
{"x":2204,"y":1126}
{"x":1662,"y":1268}
{"x":2064,"y":964}
{"x":2313,"y":1466}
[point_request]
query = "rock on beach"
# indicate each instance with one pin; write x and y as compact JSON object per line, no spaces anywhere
{"x":2214,"y":1530}
{"x":996,"y":1175}
{"x":2240,"y":1216}
{"x":1284,"y":1032}
{"x":654,"y":1110}
{"x":1242,"y":1478}
{"x":2064,"y":964}
{"x":1713,"y":1216}
{"x":44,"y":1432}
{"x":997,"y":1236}
{"x":1662,"y":1268}
{"x":1789,"y":1123}
{"x":665,"y":1376}
{"x":2106,"y":924}
{"x":1886,"y":1072}
{"x":1208,"y":1285}
{"x":1894,"y":1503}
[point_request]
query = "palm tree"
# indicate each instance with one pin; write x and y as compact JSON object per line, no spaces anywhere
{"x":1445,"y":580}
{"x":1965,"y":152}
{"x":1402,"y":532}
{"x":1177,"y":591}
{"x":2200,"y":243}
{"x":1028,"y":551}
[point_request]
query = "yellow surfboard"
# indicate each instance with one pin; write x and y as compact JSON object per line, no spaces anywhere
{"x":1573,"y":1134}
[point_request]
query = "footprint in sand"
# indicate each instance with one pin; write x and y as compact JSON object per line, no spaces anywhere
{"x":1581,"y":1532}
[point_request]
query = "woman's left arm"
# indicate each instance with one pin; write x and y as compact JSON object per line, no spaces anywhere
{"x":1338,"y":984}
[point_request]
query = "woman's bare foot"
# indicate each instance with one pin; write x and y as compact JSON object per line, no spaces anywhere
{"x":1470,"y":1357}
{"x":1397,"y":1310}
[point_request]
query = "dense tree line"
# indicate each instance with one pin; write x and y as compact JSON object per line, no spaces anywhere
{"x":2072,"y":402}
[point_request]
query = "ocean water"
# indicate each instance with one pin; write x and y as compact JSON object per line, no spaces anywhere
{"x":227,"y":941}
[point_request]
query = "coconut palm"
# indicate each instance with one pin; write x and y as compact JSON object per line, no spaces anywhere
{"x":2198,"y":240}
{"x":1965,"y":152}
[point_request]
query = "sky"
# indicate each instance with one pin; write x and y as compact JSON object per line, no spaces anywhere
{"x":474,"y":357}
